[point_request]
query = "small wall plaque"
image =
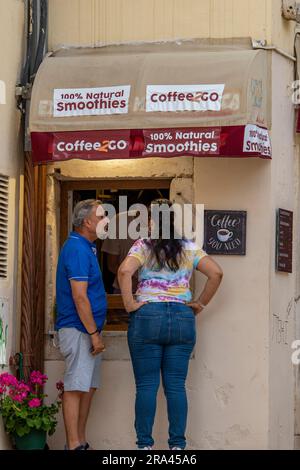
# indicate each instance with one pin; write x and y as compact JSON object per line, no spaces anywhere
{"x":225,"y":232}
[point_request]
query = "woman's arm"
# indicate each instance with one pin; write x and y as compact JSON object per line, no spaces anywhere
{"x":125,"y":272}
{"x":214,"y":274}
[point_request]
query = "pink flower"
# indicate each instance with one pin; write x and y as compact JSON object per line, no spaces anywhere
{"x":60,"y":385}
{"x":18,"y":392}
{"x":22,"y":387}
{"x":2,"y":390}
{"x":60,"y":388}
{"x":34,"y":403}
{"x":38,"y":378}
{"x":15,"y":396}
{"x":7,"y":379}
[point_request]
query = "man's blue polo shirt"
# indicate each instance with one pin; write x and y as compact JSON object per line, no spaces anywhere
{"x":78,"y":261}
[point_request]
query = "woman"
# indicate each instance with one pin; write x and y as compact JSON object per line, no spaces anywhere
{"x":162,"y":333}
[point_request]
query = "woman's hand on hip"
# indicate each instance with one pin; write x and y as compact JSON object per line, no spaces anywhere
{"x":195,"y":306}
{"x":133,"y":306}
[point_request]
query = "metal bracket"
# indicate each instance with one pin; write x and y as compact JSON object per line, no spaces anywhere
{"x":289,"y":10}
{"x":24,"y":91}
{"x":258,"y":43}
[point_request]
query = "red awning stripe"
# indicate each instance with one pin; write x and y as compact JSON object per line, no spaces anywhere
{"x":226,"y":141}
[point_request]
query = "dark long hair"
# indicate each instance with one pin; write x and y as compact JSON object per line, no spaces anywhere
{"x":166,"y":252}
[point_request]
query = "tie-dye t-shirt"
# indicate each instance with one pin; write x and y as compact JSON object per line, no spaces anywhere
{"x":164,"y":285}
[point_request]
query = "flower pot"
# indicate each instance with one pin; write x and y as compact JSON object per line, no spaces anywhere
{"x":34,"y":440}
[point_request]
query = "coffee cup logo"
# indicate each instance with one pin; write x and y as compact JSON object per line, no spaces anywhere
{"x":224,"y":235}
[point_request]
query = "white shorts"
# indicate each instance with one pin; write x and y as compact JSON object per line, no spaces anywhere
{"x":82,"y":370}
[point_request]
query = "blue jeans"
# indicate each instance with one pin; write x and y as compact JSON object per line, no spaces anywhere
{"x":161,"y":337}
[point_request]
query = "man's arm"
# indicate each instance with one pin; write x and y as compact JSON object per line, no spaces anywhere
{"x":83,"y":306}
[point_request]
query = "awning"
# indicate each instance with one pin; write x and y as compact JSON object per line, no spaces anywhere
{"x":167,"y":99}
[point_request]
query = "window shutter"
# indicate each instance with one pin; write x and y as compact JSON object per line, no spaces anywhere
{"x":4,"y":180}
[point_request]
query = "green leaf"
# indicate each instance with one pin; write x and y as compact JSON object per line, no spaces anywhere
{"x":31,"y":422}
{"x":22,"y":429}
{"x":37,"y":423}
{"x":23,"y":413}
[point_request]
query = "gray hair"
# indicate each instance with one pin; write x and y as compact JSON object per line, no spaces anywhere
{"x":83,"y":210}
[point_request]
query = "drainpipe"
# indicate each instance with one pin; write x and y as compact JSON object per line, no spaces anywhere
{"x":34,"y":218}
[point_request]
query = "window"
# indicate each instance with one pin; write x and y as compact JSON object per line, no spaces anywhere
{"x":136,"y":190}
{"x":4,"y":180}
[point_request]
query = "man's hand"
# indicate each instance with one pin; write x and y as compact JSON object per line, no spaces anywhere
{"x":134,"y":306}
{"x":97,"y":344}
{"x":196,"y":307}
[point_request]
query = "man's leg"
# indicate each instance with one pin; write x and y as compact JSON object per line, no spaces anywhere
{"x":86,"y":400}
{"x":85,"y":404}
{"x":80,"y":369}
{"x":71,"y":406}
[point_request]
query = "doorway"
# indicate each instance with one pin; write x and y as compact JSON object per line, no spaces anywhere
{"x":137,"y":191}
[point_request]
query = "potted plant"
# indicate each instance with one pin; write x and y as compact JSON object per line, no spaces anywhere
{"x":26,"y":418}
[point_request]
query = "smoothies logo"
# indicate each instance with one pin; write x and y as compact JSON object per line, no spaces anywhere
{"x":91,"y":101}
{"x":189,"y":141}
{"x":257,"y":140}
{"x":167,"y":98}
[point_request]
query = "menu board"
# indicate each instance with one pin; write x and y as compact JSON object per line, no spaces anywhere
{"x":284,"y":241}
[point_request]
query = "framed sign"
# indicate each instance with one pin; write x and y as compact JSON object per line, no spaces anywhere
{"x":225,"y":232}
{"x":284,"y":241}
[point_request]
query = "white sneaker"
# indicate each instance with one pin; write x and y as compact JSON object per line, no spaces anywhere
{"x":176,"y":448}
{"x":145,"y":448}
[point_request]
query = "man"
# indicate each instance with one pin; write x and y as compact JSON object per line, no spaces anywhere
{"x":81,"y":312}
